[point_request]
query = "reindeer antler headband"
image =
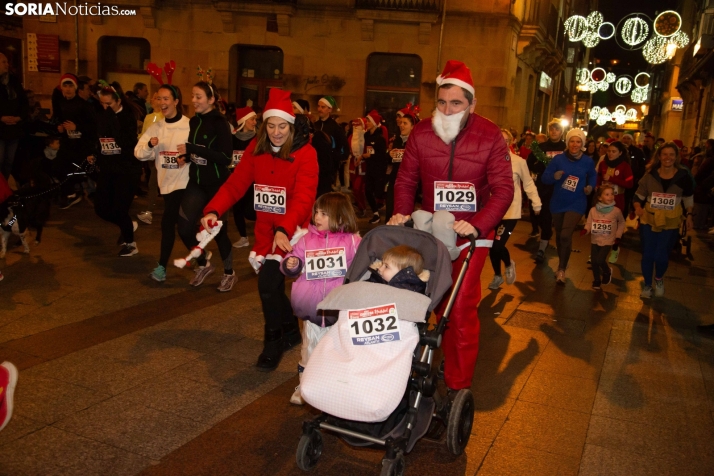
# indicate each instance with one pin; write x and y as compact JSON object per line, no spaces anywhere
{"x":158,"y":74}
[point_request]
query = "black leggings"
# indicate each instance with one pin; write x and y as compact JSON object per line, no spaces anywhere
{"x":565,"y":224}
{"x":374,"y":186}
{"x":243,"y":210}
{"x":598,"y":259}
{"x":277,"y":311}
{"x":194,"y":200}
{"x":499,"y":252}
{"x":172,"y":204}
{"x":544,"y":220}
{"x":113,"y":200}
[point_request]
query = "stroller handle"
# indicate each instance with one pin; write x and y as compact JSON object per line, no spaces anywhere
{"x":472,"y":239}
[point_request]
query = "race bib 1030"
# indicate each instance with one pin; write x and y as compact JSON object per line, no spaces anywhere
{"x":269,"y":199}
{"x":663,"y":201}
{"x":374,"y":325}
{"x":325,"y":263}
{"x":454,"y":196}
{"x":109,"y":146}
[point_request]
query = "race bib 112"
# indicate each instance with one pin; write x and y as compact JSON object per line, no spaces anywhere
{"x":269,"y":199}
{"x":374,"y":325}
{"x":454,"y":196}
{"x":325,"y":263}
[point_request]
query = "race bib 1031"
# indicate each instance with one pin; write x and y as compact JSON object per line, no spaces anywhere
{"x":374,"y":325}
{"x":269,"y":199}
{"x":325,"y":263}
{"x":454,"y":196}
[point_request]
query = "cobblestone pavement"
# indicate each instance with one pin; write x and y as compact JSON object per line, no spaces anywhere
{"x":121,"y":375}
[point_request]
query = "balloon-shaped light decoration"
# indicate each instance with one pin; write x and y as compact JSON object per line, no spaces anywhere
{"x":606,"y":31}
{"x":631,"y":114}
{"x":602,"y":120}
{"x":576,"y":27}
{"x":582,"y":76}
{"x":667,"y":23}
{"x":594,"y":113}
{"x":610,"y":78}
{"x":634,"y":30}
{"x":639,"y":95}
{"x":623,"y":85}
{"x":655,"y":50}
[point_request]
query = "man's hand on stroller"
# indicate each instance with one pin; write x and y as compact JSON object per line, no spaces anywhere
{"x":464,"y":228}
{"x":399,"y":219}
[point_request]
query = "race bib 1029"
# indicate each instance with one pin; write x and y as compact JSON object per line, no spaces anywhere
{"x":325,"y":263}
{"x":169,"y":159}
{"x":601,"y":227}
{"x":454,"y":196}
{"x":374,"y":325}
{"x":571,"y":183}
{"x":109,"y":146}
{"x":663,"y":201}
{"x":269,"y":199}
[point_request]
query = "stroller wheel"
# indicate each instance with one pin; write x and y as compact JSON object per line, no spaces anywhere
{"x":309,"y":450}
{"x":393,"y":467}
{"x":461,"y":418}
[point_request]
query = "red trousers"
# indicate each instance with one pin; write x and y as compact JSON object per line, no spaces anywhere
{"x":460,"y":342}
{"x":358,"y":190}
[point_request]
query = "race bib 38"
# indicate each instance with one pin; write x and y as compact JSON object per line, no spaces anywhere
{"x":169,"y":159}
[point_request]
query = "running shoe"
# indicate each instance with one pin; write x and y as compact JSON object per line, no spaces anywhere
{"x":560,"y":277}
{"x":658,"y":287}
{"x":243,"y":242}
{"x":227,"y":282}
{"x":540,"y":256}
{"x":607,"y":277}
{"x":511,"y":273}
{"x":158,"y":274}
{"x":496,"y":282}
{"x":534,"y":234}
{"x":614,"y":254}
{"x":296,"y":398}
{"x":146,"y":217}
{"x":375,"y":219}
{"x":70,"y":200}
{"x":129,"y":249}
{"x":596,"y":285}
{"x":646,"y":292}
{"x":201,"y":273}
{"x":8,"y":381}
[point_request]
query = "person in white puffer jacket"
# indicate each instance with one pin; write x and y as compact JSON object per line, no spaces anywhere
{"x":499,"y":252}
{"x":159,"y":143}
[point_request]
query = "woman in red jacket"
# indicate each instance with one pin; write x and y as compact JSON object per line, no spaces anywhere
{"x":283,"y":166}
{"x":615,"y":170}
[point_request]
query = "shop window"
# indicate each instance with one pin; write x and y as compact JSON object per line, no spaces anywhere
{"x":118,"y":54}
{"x":392,"y":81}
{"x":259,"y":70}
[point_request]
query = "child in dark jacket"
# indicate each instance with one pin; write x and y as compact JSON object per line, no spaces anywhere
{"x":401,"y":267}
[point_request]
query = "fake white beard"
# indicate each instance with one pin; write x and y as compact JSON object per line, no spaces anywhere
{"x":447,"y":127}
{"x":357,"y":145}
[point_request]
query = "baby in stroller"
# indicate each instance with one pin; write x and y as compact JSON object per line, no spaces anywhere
{"x":371,"y":374}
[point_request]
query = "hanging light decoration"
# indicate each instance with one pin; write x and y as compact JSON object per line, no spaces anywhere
{"x":602,"y":120}
{"x":667,"y":23}
{"x":582,"y":76}
{"x":680,"y":39}
{"x":594,"y":113}
{"x":591,"y":40}
{"x":610,"y":78}
{"x":639,"y":95}
{"x":667,"y":39}
{"x":656,"y":51}
{"x":631,"y":114}
{"x":606,"y":31}
{"x":603,"y":85}
{"x":576,"y":27}
{"x":634,"y":30}
{"x":623,"y":85}
{"x":642,"y":80}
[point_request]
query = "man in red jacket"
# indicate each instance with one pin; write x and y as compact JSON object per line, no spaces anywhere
{"x":457,"y":150}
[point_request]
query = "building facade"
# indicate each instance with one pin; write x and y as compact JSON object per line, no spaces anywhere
{"x":366,"y":53}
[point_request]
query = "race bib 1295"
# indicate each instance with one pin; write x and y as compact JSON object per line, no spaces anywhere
{"x":601,"y":227}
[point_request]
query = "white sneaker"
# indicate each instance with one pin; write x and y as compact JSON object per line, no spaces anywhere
{"x":243,"y":242}
{"x":511,"y":273}
{"x":658,"y":287}
{"x":496,"y":283}
{"x":146,"y":217}
{"x":296,"y":398}
{"x":646,"y":292}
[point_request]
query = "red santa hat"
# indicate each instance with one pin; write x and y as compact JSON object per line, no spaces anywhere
{"x":279,"y":105}
{"x":374,"y":117}
{"x":678,"y":143}
{"x":456,"y":72}
{"x":69,"y":77}
{"x":411,"y":111}
{"x":360,"y":121}
{"x":243,"y":114}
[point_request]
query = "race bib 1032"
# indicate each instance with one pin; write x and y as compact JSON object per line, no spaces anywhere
{"x":374,"y":325}
{"x":269,"y":199}
{"x":325,"y":263}
{"x":454,"y":196}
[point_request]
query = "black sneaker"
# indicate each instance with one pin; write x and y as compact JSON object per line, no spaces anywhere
{"x":607,"y":277}
{"x":375,"y":218}
{"x":129,"y":249}
{"x":540,"y":256}
{"x":596,"y":285}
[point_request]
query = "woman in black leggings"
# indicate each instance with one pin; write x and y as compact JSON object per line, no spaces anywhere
{"x":209,"y":149}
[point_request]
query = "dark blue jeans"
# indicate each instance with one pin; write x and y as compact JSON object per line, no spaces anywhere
{"x":8,"y":148}
{"x":656,"y":246}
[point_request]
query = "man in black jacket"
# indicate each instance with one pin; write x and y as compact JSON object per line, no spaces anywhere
{"x":328,"y":125}
{"x":636,"y":159}
{"x":13,"y":109}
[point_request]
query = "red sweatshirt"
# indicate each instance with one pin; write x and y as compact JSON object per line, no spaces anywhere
{"x":619,"y":174}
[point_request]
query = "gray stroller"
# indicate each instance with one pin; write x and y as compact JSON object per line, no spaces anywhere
{"x":422,"y":408}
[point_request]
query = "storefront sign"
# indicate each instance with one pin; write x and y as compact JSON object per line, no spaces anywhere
{"x":43,"y":53}
{"x":546,"y":83}
{"x":677,"y":104}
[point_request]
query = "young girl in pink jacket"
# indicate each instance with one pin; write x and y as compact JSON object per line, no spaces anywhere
{"x":320,"y":258}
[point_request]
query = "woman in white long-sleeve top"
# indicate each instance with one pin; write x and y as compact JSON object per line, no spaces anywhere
{"x":499,"y":252}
